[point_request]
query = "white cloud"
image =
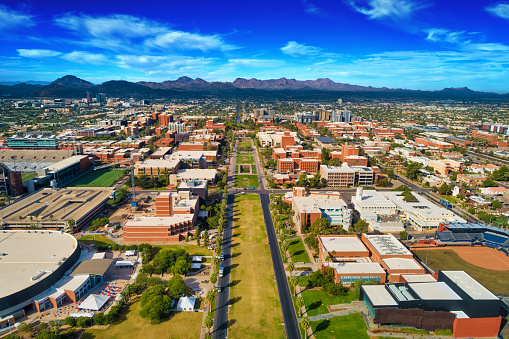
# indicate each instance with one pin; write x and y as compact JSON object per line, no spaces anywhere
{"x":255,"y":63}
{"x":189,"y":41}
{"x":11,"y":19}
{"x":174,"y":65}
{"x":295,"y":49}
{"x":501,"y":10}
{"x":310,"y":8}
{"x":81,"y":57}
{"x":136,"y":35}
{"x":37,"y":53}
{"x":453,"y":37}
{"x":381,"y":9}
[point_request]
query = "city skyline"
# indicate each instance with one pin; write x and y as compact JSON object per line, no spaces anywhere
{"x":423,"y":45}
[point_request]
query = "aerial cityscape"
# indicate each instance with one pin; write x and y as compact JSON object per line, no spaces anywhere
{"x":308,"y":169}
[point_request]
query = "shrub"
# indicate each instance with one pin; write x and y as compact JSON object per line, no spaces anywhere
{"x":83,"y":322}
{"x":443,"y":332}
{"x":100,"y":319}
{"x":334,"y":289}
{"x":70,"y":321}
{"x":311,"y":241}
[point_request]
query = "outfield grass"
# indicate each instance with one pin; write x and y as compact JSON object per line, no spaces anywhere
{"x":316,"y":301}
{"x":347,"y":326}
{"x":180,"y":325}
{"x":249,"y":180}
{"x":255,"y":309}
{"x":244,"y":159}
{"x":297,"y":251}
{"x":100,"y":240}
{"x":99,"y":178}
{"x":28,"y":176}
{"x":444,"y":259}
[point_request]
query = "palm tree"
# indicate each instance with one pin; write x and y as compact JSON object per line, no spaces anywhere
{"x":210,"y":298}
{"x":20,"y":218}
{"x":291,"y":267}
{"x":281,"y":237}
{"x":51,"y":217}
{"x":213,"y":279}
{"x":218,"y":249}
{"x":70,"y":225}
{"x":216,"y":261}
{"x":300,"y":304}
{"x":209,"y":322}
{"x":305,"y":324}
{"x":294,"y":281}
{"x":327,"y":258}
{"x":284,"y":247}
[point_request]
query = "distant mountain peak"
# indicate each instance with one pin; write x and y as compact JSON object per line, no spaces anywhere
{"x":71,"y":81}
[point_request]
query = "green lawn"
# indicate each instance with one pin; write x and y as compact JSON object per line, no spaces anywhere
{"x":450,"y":199}
{"x":316,"y":301}
{"x":255,"y":310}
{"x":249,"y":180}
{"x":347,"y":326}
{"x":245,"y":159}
{"x":190,"y":248}
{"x":99,"y":178}
{"x":28,"y":176}
{"x":100,"y":240}
{"x":245,"y":144}
{"x":253,"y":169}
{"x":180,"y":325}
{"x":444,"y":259}
{"x":297,"y":251}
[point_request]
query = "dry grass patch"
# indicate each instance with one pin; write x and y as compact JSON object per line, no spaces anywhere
{"x":255,"y":310}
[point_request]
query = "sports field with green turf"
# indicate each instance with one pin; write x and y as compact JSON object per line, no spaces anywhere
{"x":99,"y":178}
{"x":249,"y":180}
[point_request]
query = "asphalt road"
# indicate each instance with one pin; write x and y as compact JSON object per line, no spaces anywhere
{"x":220,"y":329}
{"x":285,"y":296}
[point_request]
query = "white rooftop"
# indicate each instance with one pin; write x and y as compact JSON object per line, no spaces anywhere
{"x":415,"y":278}
{"x":401,"y":264}
{"x":387,"y":245}
{"x":356,"y":267}
{"x":469,"y":285}
{"x":379,"y":296}
{"x":342,"y":244}
{"x":155,"y":163}
{"x":158,"y":221}
{"x":314,"y":204}
{"x":208,"y":174}
{"x":29,"y":255}
{"x":434,"y":291}
{"x":372,"y":199}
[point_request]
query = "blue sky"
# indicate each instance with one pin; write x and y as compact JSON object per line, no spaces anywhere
{"x":415,"y":44}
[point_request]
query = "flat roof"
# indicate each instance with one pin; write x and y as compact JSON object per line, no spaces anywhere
{"x":314,"y":204}
{"x":73,"y":282}
{"x":28,"y":254}
{"x":342,"y":244}
{"x":423,"y":209}
{"x":208,"y":174}
{"x":63,"y":204}
{"x":469,"y":285}
{"x":150,"y":163}
{"x":75,"y":159}
{"x":433,"y":291}
{"x":161,"y":151}
{"x":379,"y":296}
{"x":326,"y":140}
{"x":401,"y":264}
{"x":95,"y":266}
{"x":415,"y":278}
{"x":356,"y":267}
{"x":387,"y":244}
{"x":372,"y":199}
{"x":158,"y":221}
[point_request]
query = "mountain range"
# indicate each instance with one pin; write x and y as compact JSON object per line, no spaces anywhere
{"x":71,"y":86}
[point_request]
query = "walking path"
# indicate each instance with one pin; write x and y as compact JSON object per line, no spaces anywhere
{"x":315,"y":266}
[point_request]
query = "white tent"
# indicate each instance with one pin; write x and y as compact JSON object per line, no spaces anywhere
{"x":94,"y":302}
{"x":197,"y":258}
{"x":125,"y":263}
{"x":186,"y":304}
{"x":195,"y":266}
{"x":130,"y":253}
{"x":81,"y":315}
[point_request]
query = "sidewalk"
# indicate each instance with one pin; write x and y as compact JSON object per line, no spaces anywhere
{"x":315,"y":266}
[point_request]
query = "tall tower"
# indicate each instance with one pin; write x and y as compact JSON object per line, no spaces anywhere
{"x":89,"y":98}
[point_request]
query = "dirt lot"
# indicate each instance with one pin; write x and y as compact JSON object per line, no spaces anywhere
{"x":481,"y":256}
